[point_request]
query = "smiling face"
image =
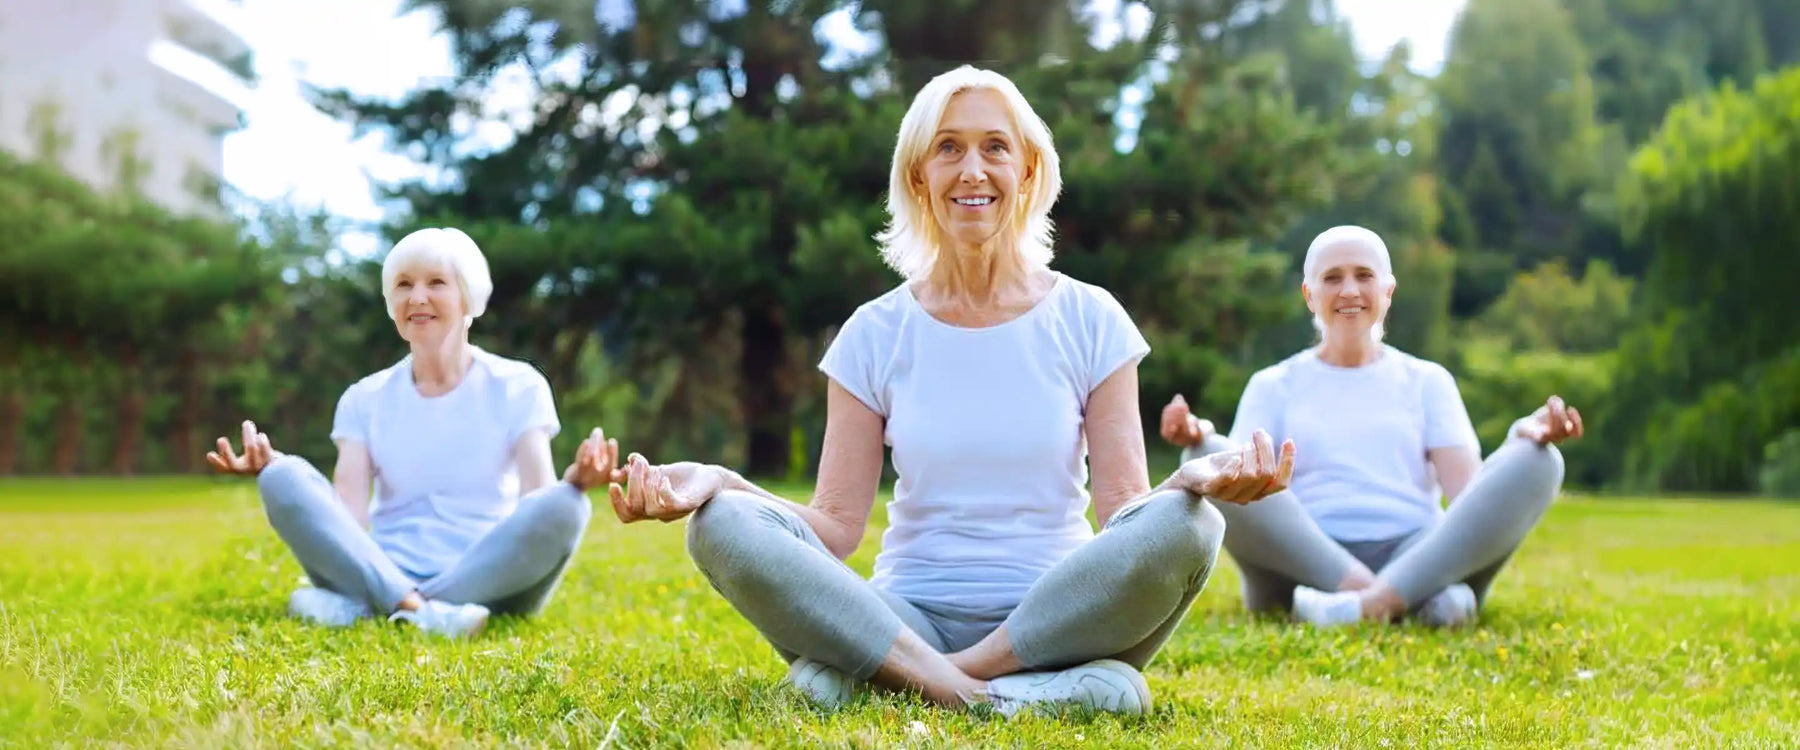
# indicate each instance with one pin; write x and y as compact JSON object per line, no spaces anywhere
{"x":972,"y":172}
{"x":1349,"y":291}
{"x":426,"y":302}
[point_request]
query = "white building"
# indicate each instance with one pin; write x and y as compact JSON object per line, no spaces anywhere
{"x":79,"y":84}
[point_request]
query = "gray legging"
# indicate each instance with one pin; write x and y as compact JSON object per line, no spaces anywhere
{"x":513,"y":569}
{"x":1119,"y":595}
{"x":1276,"y":545}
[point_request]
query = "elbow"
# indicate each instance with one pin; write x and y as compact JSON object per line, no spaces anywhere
{"x":841,"y":540}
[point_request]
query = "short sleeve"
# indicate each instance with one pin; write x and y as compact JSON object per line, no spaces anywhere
{"x":1447,"y":422}
{"x":536,"y":406}
{"x":1116,"y":339}
{"x":351,"y":422}
{"x":850,"y":360}
{"x":1260,"y":408}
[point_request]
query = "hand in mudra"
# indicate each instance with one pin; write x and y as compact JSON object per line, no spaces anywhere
{"x":666,"y":492}
{"x":257,"y":454}
{"x":1242,"y":475}
{"x":596,"y":462}
{"x":1180,"y":427}
{"x":1552,"y":423}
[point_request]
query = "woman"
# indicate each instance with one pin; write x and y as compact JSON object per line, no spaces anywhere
{"x":450,"y":437}
{"x":1361,"y":535}
{"x":992,"y":377}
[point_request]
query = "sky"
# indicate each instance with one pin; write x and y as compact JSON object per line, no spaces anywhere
{"x":289,"y":151}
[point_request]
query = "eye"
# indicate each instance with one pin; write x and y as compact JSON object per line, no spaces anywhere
{"x":946,"y":146}
{"x":997,"y":147}
{"x":1365,"y":275}
{"x":438,"y":282}
{"x":403,"y":284}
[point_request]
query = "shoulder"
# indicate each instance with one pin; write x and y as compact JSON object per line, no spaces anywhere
{"x":1089,"y":300}
{"x":1277,"y":375}
{"x":368,"y":385}
{"x":878,"y":318}
{"x":1420,"y":371}
{"x":515,"y":375}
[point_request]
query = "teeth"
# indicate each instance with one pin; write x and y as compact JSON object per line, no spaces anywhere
{"x":975,"y":201}
{"x":1350,"y":310}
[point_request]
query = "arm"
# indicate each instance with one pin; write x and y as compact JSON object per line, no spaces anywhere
{"x":849,"y":474}
{"x":532,"y":454}
{"x":354,"y":474}
{"x":1115,"y":437}
{"x":1455,"y":465}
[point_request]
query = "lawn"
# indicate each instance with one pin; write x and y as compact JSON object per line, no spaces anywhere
{"x":150,"y":613}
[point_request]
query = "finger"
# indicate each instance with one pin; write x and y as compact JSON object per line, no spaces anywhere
{"x":218,"y":463}
{"x":621,"y":507}
{"x":615,"y":473}
{"x":1265,"y":454}
{"x":1285,"y":472}
{"x":1576,"y":427}
{"x":249,"y":436}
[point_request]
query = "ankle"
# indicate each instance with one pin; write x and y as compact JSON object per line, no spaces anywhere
{"x":1381,"y":602}
{"x":1356,"y":579}
{"x":411,"y":602}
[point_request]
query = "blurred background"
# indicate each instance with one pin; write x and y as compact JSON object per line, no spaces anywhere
{"x":1592,"y":198}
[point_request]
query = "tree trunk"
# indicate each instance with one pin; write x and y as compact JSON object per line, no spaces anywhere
{"x":12,"y":425}
{"x":766,"y":390}
{"x":129,"y":421}
{"x":69,"y":421}
{"x":188,"y":414}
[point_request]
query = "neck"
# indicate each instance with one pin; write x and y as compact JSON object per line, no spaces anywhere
{"x":980,"y":276}
{"x":443,"y":364}
{"x":1349,"y":351}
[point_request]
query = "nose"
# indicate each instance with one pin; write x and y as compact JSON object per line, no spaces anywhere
{"x":971,"y":171}
{"x":416,"y":295}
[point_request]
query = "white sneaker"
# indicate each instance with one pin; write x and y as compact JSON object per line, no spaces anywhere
{"x":1104,"y":685}
{"x":326,"y":607}
{"x":1327,"y":608}
{"x":445,"y":619}
{"x":1449,"y":608}
{"x":827,"y":686}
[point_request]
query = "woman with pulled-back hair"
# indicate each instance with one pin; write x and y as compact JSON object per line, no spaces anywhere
{"x":1381,"y":436}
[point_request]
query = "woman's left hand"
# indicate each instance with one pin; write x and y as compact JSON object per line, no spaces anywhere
{"x":596,"y":463}
{"x":1552,"y":423}
{"x":1241,"y":476}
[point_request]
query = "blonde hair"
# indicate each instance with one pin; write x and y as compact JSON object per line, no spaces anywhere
{"x":910,"y":244}
{"x":447,"y":246}
{"x":1349,"y":235}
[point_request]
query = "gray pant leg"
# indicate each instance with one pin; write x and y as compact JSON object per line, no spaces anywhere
{"x":337,"y":554}
{"x":1276,"y":535}
{"x":1264,"y":590}
{"x":775,"y":571}
{"x":516,"y":566}
{"x":1479,"y":532}
{"x":1123,"y":593}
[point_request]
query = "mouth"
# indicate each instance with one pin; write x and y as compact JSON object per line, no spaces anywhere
{"x":420,"y":318}
{"x":1357,"y":310}
{"x":974,"y":201}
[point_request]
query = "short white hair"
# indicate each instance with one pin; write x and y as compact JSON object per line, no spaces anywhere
{"x":910,"y":244}
{"x":1348,"y":234}
{"x":450,"y":247}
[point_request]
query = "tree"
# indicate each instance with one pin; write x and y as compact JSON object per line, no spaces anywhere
{"x":1711,"y":198}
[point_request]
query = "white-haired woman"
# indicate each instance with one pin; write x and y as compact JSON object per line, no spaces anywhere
{"x":1382,"y":435}
{"x":468,"y":516}
{"x":998,"y":383}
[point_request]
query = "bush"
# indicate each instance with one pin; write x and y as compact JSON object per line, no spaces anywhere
{"x":1780,"y":474}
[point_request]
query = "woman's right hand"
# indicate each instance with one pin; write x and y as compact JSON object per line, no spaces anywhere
{"x":666,"y":492}
{"x":1180,"y":427}
{"x":257,"y":454}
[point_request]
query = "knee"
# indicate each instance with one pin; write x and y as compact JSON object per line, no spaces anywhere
{"x":1542,"y":464}
{"x":1213,"y":444}
{"x":561,"y":513}
{"x":288,"y":485}
{"x":1186,"y":531}
{"x":715,"y":532}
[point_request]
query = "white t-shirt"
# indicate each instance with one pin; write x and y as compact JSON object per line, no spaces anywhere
{"x":986,"y":430}
{"x":1360,"y":437}
{"x":444,"y":467}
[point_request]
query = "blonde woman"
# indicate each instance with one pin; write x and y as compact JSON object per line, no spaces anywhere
{"x":468,"y":515}
{"x":999,"y":383}
{"x":1383,"y":435}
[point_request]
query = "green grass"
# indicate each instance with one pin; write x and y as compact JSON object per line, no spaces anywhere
{"x":150,"y":614}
